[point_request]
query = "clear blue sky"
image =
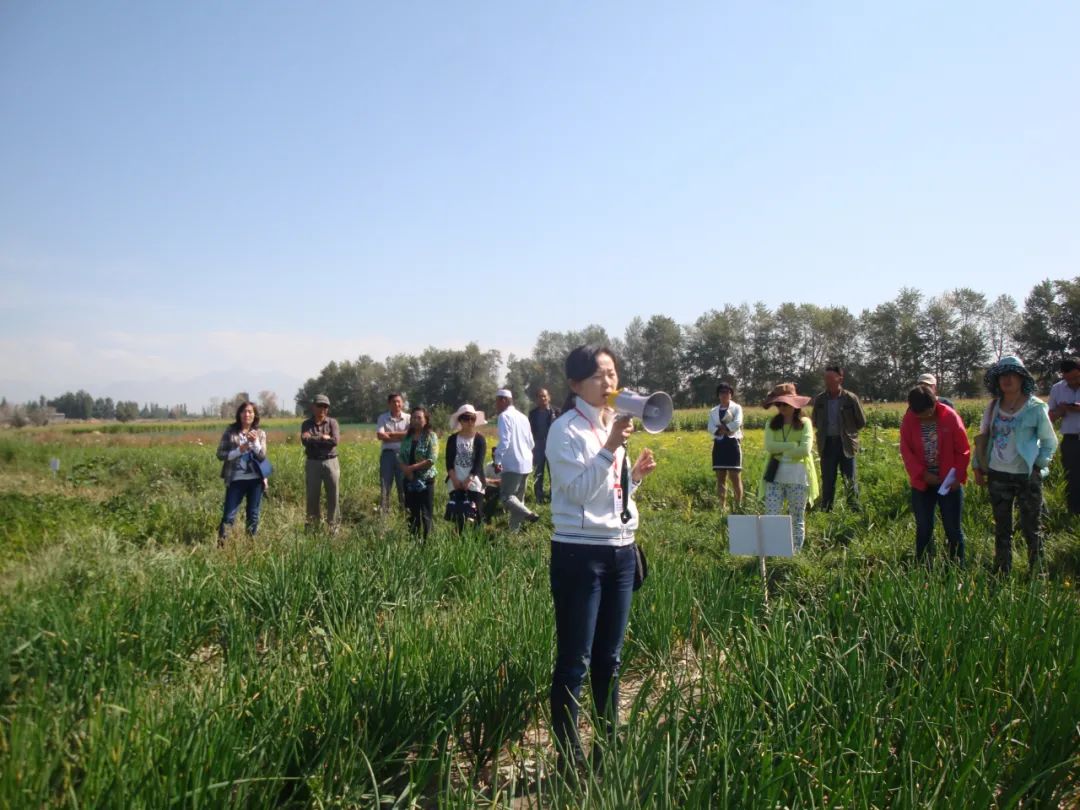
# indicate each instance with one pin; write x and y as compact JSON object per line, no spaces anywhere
{"x":254,"y":189}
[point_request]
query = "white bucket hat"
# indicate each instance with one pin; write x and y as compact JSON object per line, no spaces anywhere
{"x":466,"y":408}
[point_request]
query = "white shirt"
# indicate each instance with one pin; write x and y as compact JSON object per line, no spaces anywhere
{"x":1004,"y":455}
{"x":391,"y":425}
{"x":1060,"y":393}
{"x":516,"y":444}
{"x":732,"y":419}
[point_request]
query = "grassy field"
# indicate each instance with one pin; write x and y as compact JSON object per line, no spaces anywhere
{"x":140,"y":666}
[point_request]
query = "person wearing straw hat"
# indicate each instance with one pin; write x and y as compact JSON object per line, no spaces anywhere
{"x":466,"y":451}
{"x":790,"y":474}
{"x":1013,"y":450}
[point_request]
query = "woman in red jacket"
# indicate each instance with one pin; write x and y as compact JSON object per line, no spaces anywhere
{"x":936,"y":452}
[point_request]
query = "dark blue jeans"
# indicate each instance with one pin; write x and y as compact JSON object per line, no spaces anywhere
{"x":237,"y":491}
{"x":833,"y":459}
{"x":592,"y":588}
{"x":923,"y":505}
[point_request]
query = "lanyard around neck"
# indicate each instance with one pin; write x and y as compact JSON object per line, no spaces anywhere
{"x":596,"y":433}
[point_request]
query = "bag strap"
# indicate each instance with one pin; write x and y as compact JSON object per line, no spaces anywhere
{"x":624,"y":480}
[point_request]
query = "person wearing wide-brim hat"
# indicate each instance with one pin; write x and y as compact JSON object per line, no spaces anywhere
{"x":466,"y":452}
{"x":320,"y":436}
{"x":1012,"y":455}
{"x":790,"y":474}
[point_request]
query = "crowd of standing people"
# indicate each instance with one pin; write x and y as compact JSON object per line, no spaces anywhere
{"x":1014,"y":444}
{"x":595,"y":563}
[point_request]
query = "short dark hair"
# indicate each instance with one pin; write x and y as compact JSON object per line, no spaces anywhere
{"x":393,"y":394}
{"x":1069,"y":364}
{"x":581,"y":364}
{"x":255,"y":422}
{"x":921,"y":398}
{"x":725,"y":386}
{"x":838,"y":369}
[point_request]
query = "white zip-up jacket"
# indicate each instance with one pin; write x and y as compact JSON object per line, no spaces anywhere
{"x":733,"y":420}
{"x":584,"y":478}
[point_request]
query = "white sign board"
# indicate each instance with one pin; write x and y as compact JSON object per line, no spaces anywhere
{"x":760,"y":535}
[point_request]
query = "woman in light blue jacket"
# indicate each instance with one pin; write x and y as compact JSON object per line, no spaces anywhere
{"x":1012,"y":456}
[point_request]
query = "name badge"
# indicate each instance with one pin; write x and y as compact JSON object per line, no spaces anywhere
{"x":618,"y":496}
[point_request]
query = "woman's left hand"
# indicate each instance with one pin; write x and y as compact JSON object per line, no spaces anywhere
{"x":644,"y":465}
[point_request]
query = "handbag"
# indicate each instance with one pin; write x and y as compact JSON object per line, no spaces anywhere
{"x":265,"y":468}
{"x":460,"y":505}
{"x":771,"y":468}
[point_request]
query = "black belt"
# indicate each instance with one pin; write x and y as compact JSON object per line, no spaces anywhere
{"x":1068,"y":436}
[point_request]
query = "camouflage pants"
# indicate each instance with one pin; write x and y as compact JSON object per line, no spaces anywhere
{"x":1026,"y":491}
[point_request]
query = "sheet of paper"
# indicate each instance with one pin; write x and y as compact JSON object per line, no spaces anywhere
{"x":947,"y":484}
{"x":775,"y":530}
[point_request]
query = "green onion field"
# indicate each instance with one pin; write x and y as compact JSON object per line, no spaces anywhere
{"x":143,"y":667}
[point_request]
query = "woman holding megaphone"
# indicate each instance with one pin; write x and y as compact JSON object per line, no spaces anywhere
{"x":593,"y":556}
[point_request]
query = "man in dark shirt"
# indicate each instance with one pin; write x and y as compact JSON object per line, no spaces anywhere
{"x":540,"y":419}
{"x":837,"y":418}
{"x":320,"y":436}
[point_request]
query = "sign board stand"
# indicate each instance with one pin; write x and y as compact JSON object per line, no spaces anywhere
{"x":761,"y":536}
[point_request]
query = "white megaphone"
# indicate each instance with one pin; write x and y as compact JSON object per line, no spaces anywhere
{"x":654,"y":410}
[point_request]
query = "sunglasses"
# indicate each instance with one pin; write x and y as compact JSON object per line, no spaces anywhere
{"x":466,"y":417}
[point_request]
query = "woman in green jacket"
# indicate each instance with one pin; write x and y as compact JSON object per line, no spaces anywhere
{"x":792,"y":477}
{"x":416,"y":458}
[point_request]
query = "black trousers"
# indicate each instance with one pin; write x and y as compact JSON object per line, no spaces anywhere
{"x":1070,"y":460}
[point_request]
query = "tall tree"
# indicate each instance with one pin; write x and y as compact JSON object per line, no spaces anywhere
{"x":268,"y":404}
{"x":716,"y":347}
{"x":127,"y":411}
{"x":632,"y":353}
{"x":1043,"y":336}
{"x":1002,"y":318}
{"x":893,"y":346}
{"x":662,"y":359}
{"x":546,"y":367}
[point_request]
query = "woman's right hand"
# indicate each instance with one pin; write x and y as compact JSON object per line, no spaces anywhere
{"x":980,"y":478}
{"x":621,"y":429}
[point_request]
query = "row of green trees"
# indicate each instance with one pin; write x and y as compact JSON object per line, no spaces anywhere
{"x":81,"y":405}
{"x":955,"y":336}
{"x":358,"y":388}
{"x":78,"y":405}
